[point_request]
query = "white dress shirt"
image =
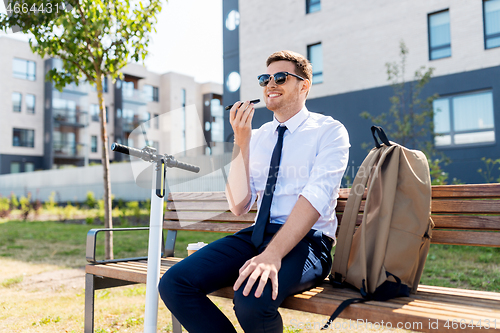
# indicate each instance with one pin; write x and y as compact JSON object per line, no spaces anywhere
{"x":313,"y":160}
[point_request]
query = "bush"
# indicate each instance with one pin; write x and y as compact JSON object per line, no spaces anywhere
{"x":4,"y":207}
{"x":90,"y":201}
{"x":37,"y":207}
{"x":14,"y":203}
{"x":134,"y":207}
{"x":438,"y":176}
{"x":69,"y":211}
{"x":25,"y":206}
{"x":147,"y":205}
{"x":51,"y":203}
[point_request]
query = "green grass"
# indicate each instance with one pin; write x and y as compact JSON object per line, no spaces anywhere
{"x":64,"y":243}
{"x":468,"y":267}
{"x":12,"y":281}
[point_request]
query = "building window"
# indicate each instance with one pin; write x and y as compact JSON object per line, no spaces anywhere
{"x":104,"y":85}
{"x":24,"y":69}
{"x":217,"y":125}
{"x":93,"y":143}
{"x":23,"y":138}
{"x":94,"y":112}
{"x":151,"y":93}
{"x":315,"y":56}
{"x":15,"y":167}
{"x":128,"y":89}
{"x":464,"y":119}
{"x":439,"y":35}
{"x":30,"y":103}
{"x":65,"y":144}
{"x":156,"y":121}
{"x":146,"y":117}
{"x":17,"y":99}
{"x":156,"y":145}
{"x":491,"y":12}
{"x":313,"y":6}
{"x":29,"y":167}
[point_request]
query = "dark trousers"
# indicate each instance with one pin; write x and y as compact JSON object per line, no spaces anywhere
{"x":184,"y":287}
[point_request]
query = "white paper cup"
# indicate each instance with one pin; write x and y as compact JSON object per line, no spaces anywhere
{"x":193,"y":247}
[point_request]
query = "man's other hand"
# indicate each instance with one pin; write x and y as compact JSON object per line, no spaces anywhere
{"x":266,"y":266}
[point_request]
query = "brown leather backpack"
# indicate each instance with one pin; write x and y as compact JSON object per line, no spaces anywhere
{"x":386,"y":255}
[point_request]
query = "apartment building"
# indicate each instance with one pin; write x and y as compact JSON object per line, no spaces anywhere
{"x":349,"y":44}
{"x":42,"y":128}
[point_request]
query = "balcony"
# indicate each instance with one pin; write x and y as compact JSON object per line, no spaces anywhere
{"x":69,"y":117}
{"x":68,"y":149}
{"x":81,"y":88}
{"x":129,"y":124}
{"x":133,"y":96}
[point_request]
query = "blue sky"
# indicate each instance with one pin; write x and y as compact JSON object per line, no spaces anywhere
{"x":188,"y":39}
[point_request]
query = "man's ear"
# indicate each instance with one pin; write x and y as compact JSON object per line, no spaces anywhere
{"x":306,"y":86}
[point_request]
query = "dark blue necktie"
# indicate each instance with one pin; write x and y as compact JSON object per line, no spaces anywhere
{"x":265,"y":206}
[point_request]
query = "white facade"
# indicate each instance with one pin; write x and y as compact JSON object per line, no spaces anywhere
{"x":358,"y":38}
{"x":170,"y":135}
{"x":10,"y":49}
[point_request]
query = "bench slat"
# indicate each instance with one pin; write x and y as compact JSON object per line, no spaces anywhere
{"x":460,"y":292}
{"x":197,"y":196}
{"x":474,"y":238}
{"x":448,"y":221}
{"x":121,"y":272}
{"x":204,"y":226}
{"x":466,"y":206}
{"x":420,"y":303}
{"x":450,"y":206}
{"x":466,"y":191}
{"x":209,"y":216}
{"x":220,"y":206}
{"x":479,"y":222}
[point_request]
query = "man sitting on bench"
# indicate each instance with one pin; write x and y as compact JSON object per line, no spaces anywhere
{"x":294,"y":165}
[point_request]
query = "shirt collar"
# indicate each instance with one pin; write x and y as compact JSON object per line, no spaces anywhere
{"x":293,"y":123}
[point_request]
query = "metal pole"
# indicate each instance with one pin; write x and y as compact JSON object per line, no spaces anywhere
{"x":154,"y":259}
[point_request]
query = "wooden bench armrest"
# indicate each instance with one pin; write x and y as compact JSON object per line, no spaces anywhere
{"x":92,"y":242}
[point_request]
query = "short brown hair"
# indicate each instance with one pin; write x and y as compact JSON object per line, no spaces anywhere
{"x":302,"y":66}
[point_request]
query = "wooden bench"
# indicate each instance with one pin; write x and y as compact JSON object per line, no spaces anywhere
{"x":463,"y":214}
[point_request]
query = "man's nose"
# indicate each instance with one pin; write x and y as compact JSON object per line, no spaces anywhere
{"x":272,"y":82}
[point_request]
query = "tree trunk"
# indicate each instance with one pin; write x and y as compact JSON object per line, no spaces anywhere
{"x":108,"y":222}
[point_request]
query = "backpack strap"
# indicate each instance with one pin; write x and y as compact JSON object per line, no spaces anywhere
{"x":341,"y":308}
{"x":381,"y":135}
{"x":384,"y":292}
{"x":346,"y":230}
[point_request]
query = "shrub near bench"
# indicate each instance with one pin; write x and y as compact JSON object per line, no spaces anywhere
{"x":464,"y":215}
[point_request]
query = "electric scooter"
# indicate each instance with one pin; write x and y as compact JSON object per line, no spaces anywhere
{"x":162,"y":162}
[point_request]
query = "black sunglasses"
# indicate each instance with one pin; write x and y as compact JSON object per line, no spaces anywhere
{"x":279,"y":78}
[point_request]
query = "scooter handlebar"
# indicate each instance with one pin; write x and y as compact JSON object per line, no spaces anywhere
{"x":170,"y":160}
{"x":127,"y":150}
{"x":181,"y":165}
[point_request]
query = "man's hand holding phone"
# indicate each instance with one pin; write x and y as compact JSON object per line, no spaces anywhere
{"x":240,"y":118}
